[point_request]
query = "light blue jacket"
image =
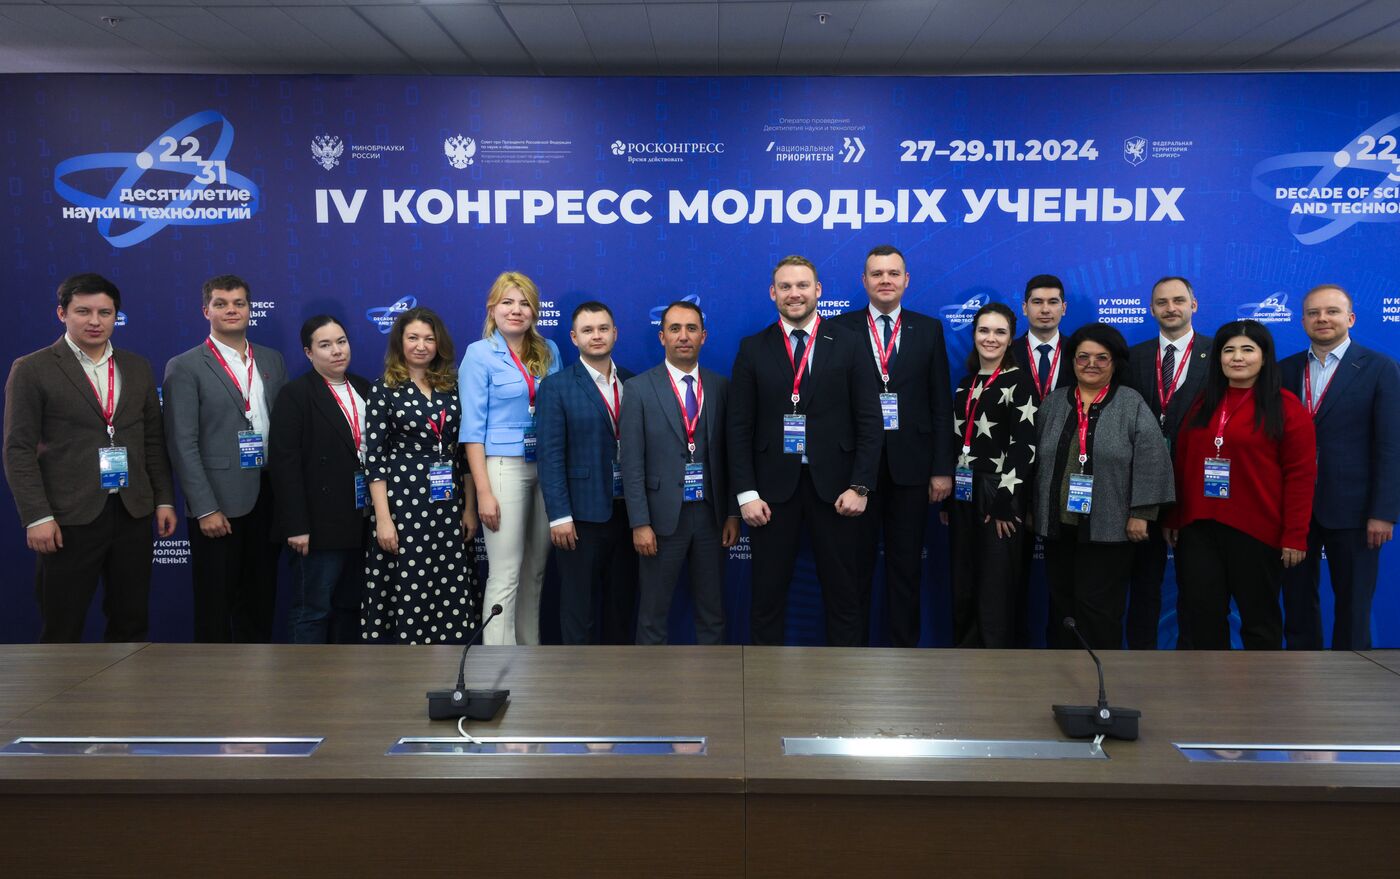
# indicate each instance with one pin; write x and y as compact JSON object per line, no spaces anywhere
{"x":495,"y":398}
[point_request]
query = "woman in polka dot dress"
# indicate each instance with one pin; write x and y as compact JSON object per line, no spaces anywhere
{"x":420,"y":573}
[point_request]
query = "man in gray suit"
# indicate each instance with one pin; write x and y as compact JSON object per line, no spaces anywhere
{"x":218,"y":399}
{"x":85,"y":459}
{"x":675,"y":481}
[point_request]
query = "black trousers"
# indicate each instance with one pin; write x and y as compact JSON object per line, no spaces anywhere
{"x":695,"y":546}
{"x":1221,"y":563}
{"x":598,"y":582}
{"x":235,"y":577}
{"x":986,"y":574}
{"x":1088,"y":581}
{"x":1145,"y":590}
{"x":1353,"y":568}
{"x":900,"y":513}
{"x":835,"y":544}
{"x":114,"y":547}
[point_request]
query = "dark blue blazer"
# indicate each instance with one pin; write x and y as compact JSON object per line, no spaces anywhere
{"x":1358,"y":438}
{"x":575,"y":445}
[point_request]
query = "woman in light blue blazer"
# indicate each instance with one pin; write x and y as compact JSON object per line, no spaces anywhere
{"x":498,"y":380}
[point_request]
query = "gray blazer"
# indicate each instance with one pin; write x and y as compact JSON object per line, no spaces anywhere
{"x":203,"y":415}
{"x":1131,"y":464}
{"x":654,"y":450}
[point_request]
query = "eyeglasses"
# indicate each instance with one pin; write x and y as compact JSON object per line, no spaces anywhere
{"x":1097,"y":359}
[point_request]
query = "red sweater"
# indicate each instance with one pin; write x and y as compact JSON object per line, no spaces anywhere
{"x":1271,"y":483}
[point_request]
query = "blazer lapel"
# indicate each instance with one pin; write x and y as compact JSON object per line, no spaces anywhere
{"x":1346,"y":373}
{"x":73,"y":371}
{"x":328,"y":407}
{"x":222,"y":375}
{"x":129,"y":389}
{"x":666,"y":399}
{"x":590,"y":391}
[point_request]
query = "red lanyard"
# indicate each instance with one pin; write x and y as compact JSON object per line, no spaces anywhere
{"x":884,"y":352}
{"x":798,"y":369}
{"x":1043,"y":389}
{"x":1164,"y":395}
{"x":529,"y":379}
{"x":353,"y":414}
{"x":1084,"y":421}
{"x":1307,"y":386}
{"x":111,"y":407}
{"x":1225,"y":418}
{"x":615,"y":410}
{"x":973,"y":401}
{"x":690,"y":424}
{"x":438,"y":426}
{"x":248,"y":394}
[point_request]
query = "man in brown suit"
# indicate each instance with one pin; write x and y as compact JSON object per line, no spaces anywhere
{"x":85,"y":458}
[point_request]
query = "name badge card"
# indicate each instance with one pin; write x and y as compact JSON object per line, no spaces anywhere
{"x":440,"y":482}
{"x":962,"y":484}
{"x":1217,"y":477}
{"x":795,"y":434}
{"x":361,"y":490}
{"x":889,"y":410}
{"x":530,"y":438}
{"x":251,"y":453}
{"x":617,"y":480}
{"x":1081,"y":493}
{"x":111,"y":467}
{"x":694,"y":487}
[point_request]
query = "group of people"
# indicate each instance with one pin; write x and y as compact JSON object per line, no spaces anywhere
{"x":843,"y":429}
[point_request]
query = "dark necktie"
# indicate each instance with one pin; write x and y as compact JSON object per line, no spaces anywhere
{"x":1168,"y":369}
{"x":799,"y":350}
{"x":692,"y":406}
{"x":1045,"y":377}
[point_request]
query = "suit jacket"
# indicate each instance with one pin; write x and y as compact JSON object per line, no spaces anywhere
{"x":313,"y":459}
{"x":1064,"y":373}
{"x":1358,"y":438}
{"x":840,"y":398}
{"x":203,"y":415}
{"x":575,"y":445}
{"x":1142,"y":377}
{"x":923,"y":445}
{"x":654,"y":449}
{"x":54,"y":427}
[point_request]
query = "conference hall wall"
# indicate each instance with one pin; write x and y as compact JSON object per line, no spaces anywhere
{"x":363,"y":196}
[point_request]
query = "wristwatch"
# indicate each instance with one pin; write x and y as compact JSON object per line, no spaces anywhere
{"x":860,"y":490}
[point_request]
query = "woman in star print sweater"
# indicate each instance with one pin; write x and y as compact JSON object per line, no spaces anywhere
{"x":994,"y":418}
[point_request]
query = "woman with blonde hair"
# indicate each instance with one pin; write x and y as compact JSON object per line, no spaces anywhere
{"x":500,"y":375}
{"x":421,"y":585}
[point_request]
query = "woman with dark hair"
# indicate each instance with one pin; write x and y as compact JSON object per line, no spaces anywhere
{"x":994,"y":419}
{"x":422,"y":579}
{"x":1246,"y":466}
{"x":1104,"y":470}
{"x":316,"y":457}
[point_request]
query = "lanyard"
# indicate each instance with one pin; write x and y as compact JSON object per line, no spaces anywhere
{"x":973,"y":401}
{"x":247,"y":395}
{"x":1307,"y":387}
{"x":615,"y":410}
{"x":437,"y":427}
{"x":529,"y":379}
{"x":1225,"y":418}
{"x":798,"y":369}
{"x":689,"y":424}
{"x":1164,"y":395}
{"x":884,"y":353}
{"x":353,"y":414}
{"x":1044,"y":388}
{"x":1084,"y":422}
{"x":110,"y":408}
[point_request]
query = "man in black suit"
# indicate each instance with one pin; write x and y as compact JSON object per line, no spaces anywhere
{"x":1039,"y":350}
{"x":904,"y":352}
{"x":804,"y":448}
{"x":1168,"y":372}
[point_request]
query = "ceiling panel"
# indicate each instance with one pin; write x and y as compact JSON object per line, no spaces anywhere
{"x":1356,"y":23}
{"x":1159,"y":24}
{"x":950,"y":30}
{"x":686,"y":35}
{"x":484,"y":35}
{"x":1092,"y":24}
{"x":349,"y":35}
{"x":751,"y":36}
{"x":618,"y":34}
{"x":1271,"y":32}
{"x":87,"y":43}
{"x":277,"y":35}
{"x":202,"y":28}
{"x":812,"y":47}
{"x":553,"y":37}
{"x":1227,"y":26}
{"x":1020,"y":26}
{"x":418,"y":35}
{"x":883,"y":33}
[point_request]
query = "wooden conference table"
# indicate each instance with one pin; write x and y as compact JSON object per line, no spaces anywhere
{"x":741,"y":808}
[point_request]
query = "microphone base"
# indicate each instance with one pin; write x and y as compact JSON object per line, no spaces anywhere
{"x":1088,"y":721}
{"x":471,"y":704}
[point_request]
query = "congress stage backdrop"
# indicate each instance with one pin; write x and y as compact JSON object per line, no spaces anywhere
{"x":363,"y":196}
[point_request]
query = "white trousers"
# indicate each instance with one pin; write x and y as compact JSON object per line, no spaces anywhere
{"x":515,"y":553}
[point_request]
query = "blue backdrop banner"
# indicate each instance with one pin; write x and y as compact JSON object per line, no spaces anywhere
{"x":363,"y":196}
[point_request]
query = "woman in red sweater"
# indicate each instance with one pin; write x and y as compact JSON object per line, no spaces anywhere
{"x":1246,"y":465}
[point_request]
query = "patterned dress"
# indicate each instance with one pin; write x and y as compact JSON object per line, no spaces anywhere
{"x":427,"y":593}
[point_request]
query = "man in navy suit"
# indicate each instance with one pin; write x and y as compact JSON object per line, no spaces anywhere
{"x":578,"y":423}
{"x":905,"y":354}
{"x":1040,"y":348}
{"x":1353,"y":394}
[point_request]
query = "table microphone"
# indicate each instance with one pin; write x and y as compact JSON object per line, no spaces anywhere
{"x":1086,"y":721}
{"x":461,"y":702}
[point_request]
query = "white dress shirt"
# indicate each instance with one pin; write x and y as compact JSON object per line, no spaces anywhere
{"x":745,"y":497}
{"x":1054,"y":342}
{"x":877,"y":340}
{"x":239,"y":367}
{"x":344,"y":394}
{"x":1178,"y":345}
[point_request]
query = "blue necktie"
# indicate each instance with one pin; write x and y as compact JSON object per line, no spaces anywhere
{"x":692,"y":406}
{"x":888,"y":334}
{"x":799,"y":348}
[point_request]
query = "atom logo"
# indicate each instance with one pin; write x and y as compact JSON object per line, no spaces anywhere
{"x":618,"y":148}
{"x":177,"y":152}
{"x":960,"y":314}
{"x":383,"y":317}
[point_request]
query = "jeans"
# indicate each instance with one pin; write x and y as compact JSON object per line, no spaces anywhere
{"x":326,"y":591}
